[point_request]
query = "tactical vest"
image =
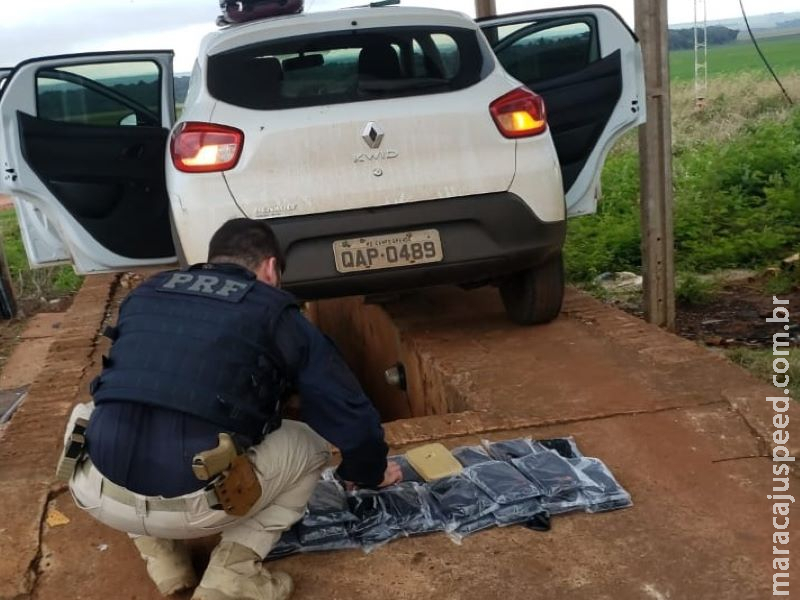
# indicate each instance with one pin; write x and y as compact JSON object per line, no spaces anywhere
{"x":200,"y":341}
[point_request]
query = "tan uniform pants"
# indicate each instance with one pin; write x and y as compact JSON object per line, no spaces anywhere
{"x":288,"y":463}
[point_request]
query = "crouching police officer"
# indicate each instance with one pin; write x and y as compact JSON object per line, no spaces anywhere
{"x":184,"y":438}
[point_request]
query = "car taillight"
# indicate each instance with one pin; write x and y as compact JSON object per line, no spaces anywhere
{"x":519,"y":113}
{"x":205,"y":147}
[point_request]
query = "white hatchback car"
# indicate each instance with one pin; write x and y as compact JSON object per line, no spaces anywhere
{"x":390,"y":147}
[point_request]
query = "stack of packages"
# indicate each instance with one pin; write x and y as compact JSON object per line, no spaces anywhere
{"x":519,"y":481}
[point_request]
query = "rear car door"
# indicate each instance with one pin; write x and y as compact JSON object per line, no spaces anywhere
{"x":587,"y":65}
{"x":82,"y":147}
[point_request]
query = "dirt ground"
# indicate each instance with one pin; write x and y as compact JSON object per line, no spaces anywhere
{"x":736,"y":316}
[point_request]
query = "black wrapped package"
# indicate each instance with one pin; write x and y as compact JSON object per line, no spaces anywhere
{"x":288,"y":544}
{"x":408,"y":509}
{"x":565,"y":502}
{"x":566,"y":447}
{"x":324,"y":537}
{"x":327,"y":506}
{"x":540,"y":522}
{"x":509,"y":449}
{"x":502,"y":482}
{"x":551,"y":473}
{"x":373,"y":526}
{"x":601,"y":489}
{"x":457,"y":500}
{"x":473,"y":526}
{"x":519,"y":512}
{"x":470,"y":455}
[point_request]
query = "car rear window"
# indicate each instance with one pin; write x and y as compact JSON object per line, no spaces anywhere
{"x":346,"y":66}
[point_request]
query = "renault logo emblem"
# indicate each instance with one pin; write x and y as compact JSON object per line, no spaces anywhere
{"x":372,"y":135}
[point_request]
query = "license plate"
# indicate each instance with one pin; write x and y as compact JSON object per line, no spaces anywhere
{"x":387,"y":251}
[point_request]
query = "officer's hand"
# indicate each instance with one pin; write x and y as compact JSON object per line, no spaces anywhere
{"x":392,"y":475}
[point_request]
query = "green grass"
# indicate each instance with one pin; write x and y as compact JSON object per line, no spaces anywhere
{"x":759,"y":362}
{"x":783,"y":53}
{"x":34,"y":288}
{"x":736,"y":204}
{"x":690,"y":290}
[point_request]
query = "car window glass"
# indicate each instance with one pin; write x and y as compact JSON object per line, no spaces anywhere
{"x":346,"y":67}
{"x":537,"y":52}
{"x":123,"y":93}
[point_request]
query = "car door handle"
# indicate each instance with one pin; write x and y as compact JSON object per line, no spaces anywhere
{"x":134,"y":151}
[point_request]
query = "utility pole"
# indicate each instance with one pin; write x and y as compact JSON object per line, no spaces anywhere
{"x":485,"y":8}
{"x":700,"y":54}
{"x":655,"y":167}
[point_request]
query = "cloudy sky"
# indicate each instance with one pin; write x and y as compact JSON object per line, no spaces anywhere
{"x":44,"y":27}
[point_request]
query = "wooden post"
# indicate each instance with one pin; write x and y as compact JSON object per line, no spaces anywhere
{"x":485,"y":8}
{"x":655,"y":165}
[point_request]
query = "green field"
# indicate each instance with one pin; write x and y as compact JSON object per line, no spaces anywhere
{"x":783,"y":53}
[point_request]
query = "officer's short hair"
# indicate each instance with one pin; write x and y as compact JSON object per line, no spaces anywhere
{"x":246,"y":242}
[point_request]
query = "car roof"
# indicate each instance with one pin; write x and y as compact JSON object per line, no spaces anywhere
{"x":251,"y":32}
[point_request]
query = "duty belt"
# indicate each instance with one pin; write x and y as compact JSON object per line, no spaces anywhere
{"x":146,"y":503}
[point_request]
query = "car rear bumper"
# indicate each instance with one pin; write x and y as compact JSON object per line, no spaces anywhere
{"x":483,"y":238}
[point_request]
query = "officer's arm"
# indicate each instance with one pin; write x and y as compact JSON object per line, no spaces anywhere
{"x":332,"y":401}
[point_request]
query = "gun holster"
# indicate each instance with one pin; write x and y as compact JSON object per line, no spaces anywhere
{"x":234,"y":478}
{"x":73,"y":451}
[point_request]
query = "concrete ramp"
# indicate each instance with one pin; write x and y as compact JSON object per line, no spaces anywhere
{"x":686,"y":432}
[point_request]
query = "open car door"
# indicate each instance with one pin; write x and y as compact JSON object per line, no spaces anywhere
{"x":587,"y":65}
{"x":82,"y":147}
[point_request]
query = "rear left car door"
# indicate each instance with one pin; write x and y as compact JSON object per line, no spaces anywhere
{"x":587,"y":65}
{"x":82,"y":150}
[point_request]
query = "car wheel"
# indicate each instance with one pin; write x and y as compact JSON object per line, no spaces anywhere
{"x":534,"y":296}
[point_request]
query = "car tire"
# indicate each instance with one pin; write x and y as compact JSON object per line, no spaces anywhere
{"x":534,"y":296}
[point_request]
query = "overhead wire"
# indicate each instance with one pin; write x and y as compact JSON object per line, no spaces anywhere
{"x":761,"y":54}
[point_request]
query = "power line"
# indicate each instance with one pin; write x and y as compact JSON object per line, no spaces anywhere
{"x":761,"y":54}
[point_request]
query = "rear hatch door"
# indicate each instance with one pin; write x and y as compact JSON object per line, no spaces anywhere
{"x":366,"y":117}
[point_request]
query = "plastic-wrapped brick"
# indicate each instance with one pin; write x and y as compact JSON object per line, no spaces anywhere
{"x":458,"y":500}
{"x":328,"y":505}
{"x":471,"y":455}
{"x":502,"y":482}
{"x":551,"y":473}
{"x":598,"y":485}
{"x":509,"y":449}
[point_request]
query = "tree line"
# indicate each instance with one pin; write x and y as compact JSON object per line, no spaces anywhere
{"x":683,"y":39}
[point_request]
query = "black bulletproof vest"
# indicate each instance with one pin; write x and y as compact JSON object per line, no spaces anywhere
{"x":200,"y":341}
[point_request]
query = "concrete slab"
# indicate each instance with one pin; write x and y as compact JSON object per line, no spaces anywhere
{"x":32,"y":439}
{"x":684,"y":431}
{"x":43,"y":325}
{"x":25,"y":363}
{"x":700,"y":529}
{"x":27,"y":358}
{"x":20,"y":517}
